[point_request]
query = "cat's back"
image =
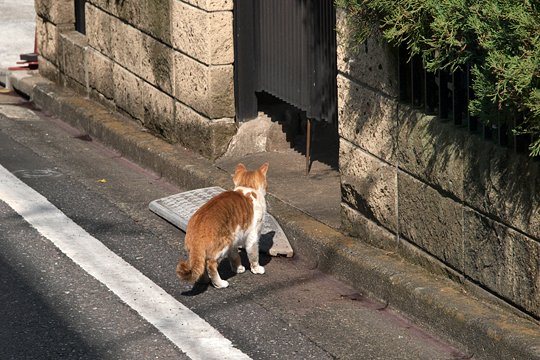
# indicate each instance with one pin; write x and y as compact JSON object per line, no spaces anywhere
{"x":230,"y":208}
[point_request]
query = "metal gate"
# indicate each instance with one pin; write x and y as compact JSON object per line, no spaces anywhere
{"x":80,"y":17}
{"x":286,"y":48}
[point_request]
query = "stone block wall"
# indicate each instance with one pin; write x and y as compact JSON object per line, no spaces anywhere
{"x":433,"y":193}
{"x":168,"y":64}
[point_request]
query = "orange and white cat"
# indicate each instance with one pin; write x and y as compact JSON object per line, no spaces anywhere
{"x":227,"y":221}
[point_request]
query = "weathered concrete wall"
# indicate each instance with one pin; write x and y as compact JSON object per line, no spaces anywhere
{"x":433,"y":193}
{"x":166,"y":63}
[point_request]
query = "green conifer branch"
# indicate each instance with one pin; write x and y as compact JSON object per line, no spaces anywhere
{"x":498,"y":39}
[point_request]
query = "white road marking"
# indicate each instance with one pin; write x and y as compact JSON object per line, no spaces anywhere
{"x":184,"y":328}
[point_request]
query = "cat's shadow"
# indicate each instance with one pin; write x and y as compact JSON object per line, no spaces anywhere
{"x":266,"y":241}
{"x":226,"y":272}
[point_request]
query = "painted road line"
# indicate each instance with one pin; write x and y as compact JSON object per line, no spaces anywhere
{"x":184,"y":328}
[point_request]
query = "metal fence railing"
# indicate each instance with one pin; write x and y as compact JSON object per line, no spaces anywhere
{"x":447,"y":95}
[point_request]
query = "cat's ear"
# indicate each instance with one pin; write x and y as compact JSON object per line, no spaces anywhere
{"x":264,"y":169}
{"x":238,"y":171}
{"x":239,"y":168}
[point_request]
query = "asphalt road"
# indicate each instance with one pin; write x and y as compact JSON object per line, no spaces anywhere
{"x":54,"y":309}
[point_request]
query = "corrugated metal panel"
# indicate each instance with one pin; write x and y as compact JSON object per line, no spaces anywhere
{"x":295,"y":54}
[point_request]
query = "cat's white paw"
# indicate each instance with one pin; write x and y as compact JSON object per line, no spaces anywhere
{"x":257,"y":269}
{"x":221,"y":284}
{"x":240,"y":269}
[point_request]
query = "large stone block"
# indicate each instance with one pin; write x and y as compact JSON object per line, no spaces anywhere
{"x":157,"y":64}
{"x":101,"y":99}
{"x":143,"y":55}
{"x":100,"y":29}
{"x":156,"y":19}
{"x":48,"y":70}
{"x":150,"y":16}
{"x":367,"y":119}
{"x":73,"y":59}
{"x":221,"y":92}
{"x":159,"y":112}
{"x":210,"y":138}
{"x":210,"y":5}
{"x":74,"y":85}
{"x":207,"y":89}
{"x":128,"y":92}
{"x":503,"y":260}
{"x":368,"y":185}
{"x":127,"y":47}
{"x":355,"y":224}
{"x":100,"y":73}
{"x":431,"y":220}
{"x":107,"y":5}
{"x":48,"y":36}
{"x":373,"y":62}
{"x":431,"y":150}
{"x":206,"y":37}
{"x":55,"y":11}
{"x":503,"y":184}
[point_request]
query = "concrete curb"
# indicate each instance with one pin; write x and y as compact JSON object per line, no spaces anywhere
{"x":486,"y":329}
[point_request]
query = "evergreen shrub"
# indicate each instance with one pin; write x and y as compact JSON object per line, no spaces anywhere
{"x":498,"y":39}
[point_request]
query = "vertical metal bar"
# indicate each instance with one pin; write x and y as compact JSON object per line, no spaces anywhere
{"x":503,"y":134}
{"x":256,"y":77}
{"x":333,"y":54}
{"x":459,"y":96}
{"x":308,"y":146}
{"x":304,"y":18}
{"x":443,"y":94}
{"x":411,"y":83}
{"x":245,"y":57}
{"x":264,"y":43}
{"x":404,"y":74}
{"x":80,"y":21}
{"x":432,"y":100}
{"x":417,"y":82}
{"x":311,"y":39}
{"x":522,"y":142}
{"x":487,"y":131}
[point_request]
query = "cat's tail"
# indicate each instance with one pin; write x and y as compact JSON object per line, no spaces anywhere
{"x":191,"y":270}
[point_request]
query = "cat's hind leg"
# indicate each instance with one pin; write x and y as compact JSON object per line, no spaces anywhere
{"x":252,"y":250}
{"x":212,"y":268}
{"x":235,"y":260}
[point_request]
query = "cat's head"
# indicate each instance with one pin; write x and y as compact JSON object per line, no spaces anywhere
{"x":255,"y":179}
